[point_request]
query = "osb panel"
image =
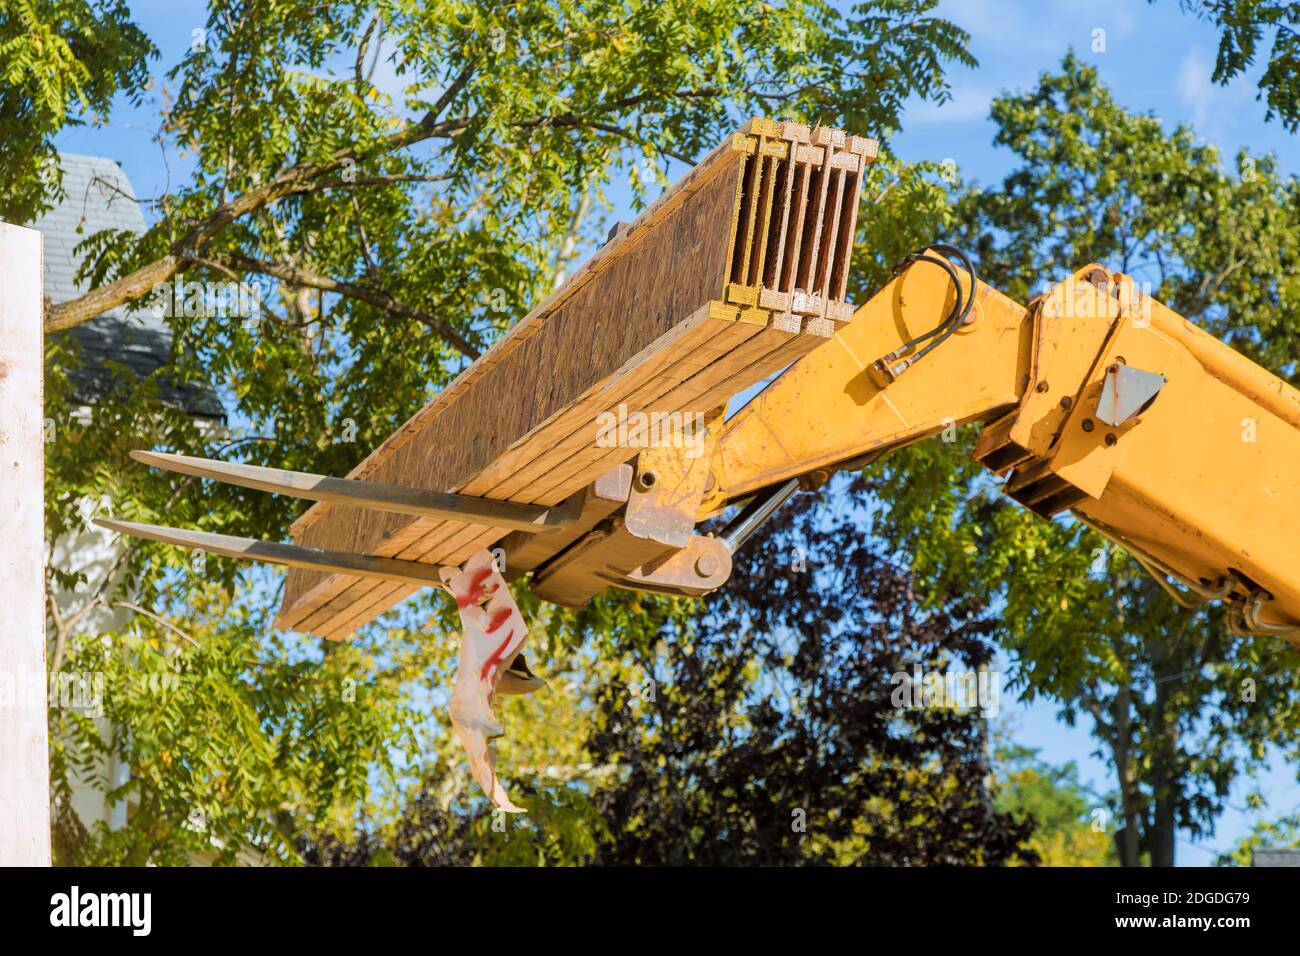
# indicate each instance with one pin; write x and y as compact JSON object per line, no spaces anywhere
{"x":678,"y":264}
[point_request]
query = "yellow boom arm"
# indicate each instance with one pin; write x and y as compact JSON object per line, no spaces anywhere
{"x":1096,"y":399}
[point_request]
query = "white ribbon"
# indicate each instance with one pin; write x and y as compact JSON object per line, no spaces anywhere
{"x":492,"y":632}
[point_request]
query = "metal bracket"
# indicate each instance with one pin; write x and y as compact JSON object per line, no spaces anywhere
{"x":1126,"y":392}
{"x":702,"y":566}
{"x":580,"y":513}
{"x":657,"y":523}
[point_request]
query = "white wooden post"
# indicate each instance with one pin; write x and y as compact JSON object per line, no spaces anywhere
{"x":24,"y":745}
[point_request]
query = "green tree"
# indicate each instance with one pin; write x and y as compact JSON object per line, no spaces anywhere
{"x":1179,"y":706}
{"x":395,"y":227}
{"x":1245,"y":27}
{"x":61,"y":63}
{"x":772,"y":729}
{"x":234,"y":739}
{"x":1280,"y":834}
{"x":1069,"y":830}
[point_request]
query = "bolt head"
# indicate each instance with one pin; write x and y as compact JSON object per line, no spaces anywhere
{"x":706,"y":565}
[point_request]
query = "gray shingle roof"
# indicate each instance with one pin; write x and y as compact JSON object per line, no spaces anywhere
{"x":97,"y":196}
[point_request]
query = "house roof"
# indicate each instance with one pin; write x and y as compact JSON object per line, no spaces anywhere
{"x":98,"y":196}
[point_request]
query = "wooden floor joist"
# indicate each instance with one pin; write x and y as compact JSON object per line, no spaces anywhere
{"x":735,"y":272}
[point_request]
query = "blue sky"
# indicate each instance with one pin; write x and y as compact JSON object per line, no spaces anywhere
{"x":1156,"y":59}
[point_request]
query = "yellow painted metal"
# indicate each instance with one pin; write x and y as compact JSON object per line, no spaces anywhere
{"x":826,"y":409}
{"x":1071,"y":322}
{"x":1202,"y":486}
{"x":1208,"y":482}
{"x":669,"y":484}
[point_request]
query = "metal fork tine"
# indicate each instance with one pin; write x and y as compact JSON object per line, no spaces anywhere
{"x":366,"y":494}
{"x":291,"y":555}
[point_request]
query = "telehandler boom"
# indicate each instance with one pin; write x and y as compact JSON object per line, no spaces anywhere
{"x":1096,"y":399}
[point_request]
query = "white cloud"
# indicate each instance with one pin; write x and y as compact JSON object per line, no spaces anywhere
{"x":1213,"y":110}
{"x":1195,"y":88}
{"x":1040,"y":29}
{"x":968,"y":104}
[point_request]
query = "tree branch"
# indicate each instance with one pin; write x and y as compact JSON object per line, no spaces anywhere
{"x":370,"y":181}
{"x":296,"y":275}
{"x":302,"y":177}
{"x":130,"y":287}
{"x":361,"y":77}
{"x":156,"y":619}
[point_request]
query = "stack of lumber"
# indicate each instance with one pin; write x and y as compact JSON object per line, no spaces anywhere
{"x":735,"y":272}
